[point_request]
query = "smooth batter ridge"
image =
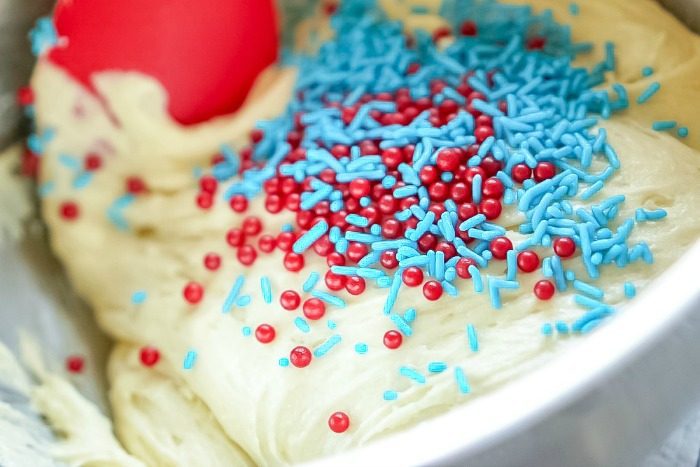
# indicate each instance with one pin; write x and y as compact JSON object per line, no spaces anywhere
{"x":236,"y":406}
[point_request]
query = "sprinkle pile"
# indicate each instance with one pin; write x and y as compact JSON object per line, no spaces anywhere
{"x":405,"y":157}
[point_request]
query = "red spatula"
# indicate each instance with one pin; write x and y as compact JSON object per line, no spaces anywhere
{"x":206,"y":53}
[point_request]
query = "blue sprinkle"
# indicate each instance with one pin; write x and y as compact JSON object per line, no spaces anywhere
{"x":365,"y":201}
{"x":561,"y":327}
{"x":647,"y":71}
{"x":410,"y":315}
{"x":412,"y":374}
{"x":393,"y":293}
{"x":243,"y":301}
{"x":361,"y":348}
{"x":662,"y":125}
{"x":266,"y":289}
{"x":473,"y":338}
{"x":310,"y":282}
{"x":476,"y":188}
{"x":246,"y":331}
{"x":476,"y":278}
{"x":283,"y":362}
{"x":648,"y":92}
{"x":287,"y":228}
{"x":331,"y":324}
{"x":642,"y":215}
{"x":437,"y":367}
{"x":190,"y":359}
{"x":461,"y":380}
{"x":233,"y":294}
{"x":356,"y":219}
{"x":138,"y":297}
{"x":630,"y":290}
{"x":512,"y":265}
{"x":328,"y":298}
{"x":390,"y":395}
{"x":311,"y":235}
{"x":592,"y":190}
{"x":547,"y":329}
{"x":323,"y":349}
{"x":683,"y":132}
{"x":301,"y":324}
{"x":574,"y":9}
{"x":588,"y":289}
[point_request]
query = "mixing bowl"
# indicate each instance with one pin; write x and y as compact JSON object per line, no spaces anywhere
{"x":607,"y":401}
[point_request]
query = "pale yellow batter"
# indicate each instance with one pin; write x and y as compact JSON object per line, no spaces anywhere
{"x":237,"y":406}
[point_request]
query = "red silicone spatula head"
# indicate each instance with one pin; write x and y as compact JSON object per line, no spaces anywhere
{"x":206,"y":53}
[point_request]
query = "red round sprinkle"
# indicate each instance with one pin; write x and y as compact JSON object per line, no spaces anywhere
{"x":355,"y":285}
{"x":267,"y":243}
{"x":334,"y":281}
{"x":490,"y":165}
{"x":528,"y":261}
{"x":265,"y":333}
{"x":432,"y":290}
{"x":447,"y":249}
{"x":75,"y":364}
{"x":92,"y":162}
{"x":247,"y":255}
{"x":412,"y":276}
{"x":212,"y":261}
{"x":356,"y":251}
{"x":339,"y":422}
{"x":428,"y":175}
{"x":468,"y":28}
{"x":149,"y":356}
{"x":391,"y":228}
{"x":467,"y":210}
{"x":25,"y":96}
{"x":473,"y":172}
{"x":235,"y":237}
{"x":427,"y":242}
{"x":300,"y":356}
{"x":314,"y":308}
{"x":544,"y":289}
{"x":448,"y":160}
{"x":460,"y":192}
{"x":492,"y":188}
{"x":438,"y":191}
{"x":491,"y":208}
{"x":462,"y":267}
{"x":252,"y":225}
{"x":482,"y":132}
{"x":205,"y":200}
{"x":536,"y":43}
{"x":359,"y":188}
{"x":544,"y":171}
{"x":340,"y":150}
{"x":564,"y":246}
{"x":193,"y":292}
{"x":290,"y":300}
{"x":238,"y":203}
{"x":335,"y":259}
{"x":520,"y":173}
{"x":208,"y":184}
{"x":388,"y":259}
{"x":393,"y":339}
{"x":135,"y":185}
{"x":285,"y":240}
{"x":392,"y":157}
{"x":69,"y":210}
{"x":256,"y":135}
{"x":500,"y":246}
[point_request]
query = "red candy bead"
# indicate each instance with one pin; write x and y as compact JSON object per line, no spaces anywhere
{"x":528,"y":261}
{"x":238,"y":203}
{"x":432,"y":290}
{"x":388,"y":259}
{"x":247,"y":255}
{"x":290,"y":300}
{"x":334,"y":281}
{"x":482,"y":132}
{"x":267,"y":243}
{"x":69,"y":210}
{"x":468,"y":28}
{"x":355,"y":285}
{"x":564,"y":247}
{"x":252,"y":226}
{"x":339,"y":422}
{"x":492,"y":188}
{"x":193,"y":292}
{"x":500,"y":246}
{"x":356,"y":251}
{"x":314,"y":309}
{"x":520,"y":173}
{"x":412,"y":276}
{"x":265,"y":333}
{"x":208,"y":184}
{"x":235,"y":237}
{"x":448,"y":160}
{"x":273,"y":204}
{"x":92,"y":162}
{"x":391,"y":228}
{"x":285,"y":240}
{"x":300,"y":356}
{"x":135,"y":185}
{"x":428,"y":175}
{"x":212,"y":261}
{"x":75,"y":364}
{"x":427,"y":242}
{"x":467,"y":211}
{"x":392,"y":339}
{"x":544,"y":289}
{"x":293,"y":262}
{"x":491,"y":208}
{"x":462,"y":267}
{"x":205,"y":200}
{"x":544,"y":171}
{"x":335,"y":259}
{"x":359,"y":188}
{"x":149,"y":356}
